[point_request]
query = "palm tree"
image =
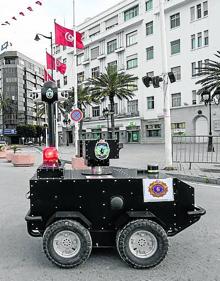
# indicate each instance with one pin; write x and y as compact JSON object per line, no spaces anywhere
{"x":4,"y":105}
{"x":110,"y":85}
{"x":212,"y":71}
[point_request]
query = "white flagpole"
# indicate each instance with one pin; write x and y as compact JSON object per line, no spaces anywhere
{"x":167,"y":117}
{"x":75,"y":80}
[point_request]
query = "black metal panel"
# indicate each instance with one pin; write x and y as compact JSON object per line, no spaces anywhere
{"x":44,"y":172}
{"x":92,"y":198}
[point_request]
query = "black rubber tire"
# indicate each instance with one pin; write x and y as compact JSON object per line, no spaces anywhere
{"x":83,"y":234}
{"x":122,"y":243}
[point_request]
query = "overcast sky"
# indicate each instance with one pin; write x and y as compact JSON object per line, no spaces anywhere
{"x":22,"y":32}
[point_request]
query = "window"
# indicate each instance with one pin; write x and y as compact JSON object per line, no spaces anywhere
{"x":150,"y":102}
{"x":175,"y":20}
{"x":193,"y":41}
{"x":193,"y":69}
{"x":131,"y":13}
{"x":192,"y":13}
{"x":194,"y":97}
{"x":65,"y":80}
{"x":153,"y":130}
{"x":57,"y":49}
{"x":199,"y":11}
{"x":111,"y":46}
{"x":64,"y":48}
{"x":149,"y":5}
{"x":131,"y":38}
{"x":199,"y":66}
{"x":132,"y":62}
{"x":177,"y":72}
{"x":175,"y":47}
{"x":113,"y":65}
{"x":96,"y":111}
{"x":133,"y":106}
{"x":206,"y":38}
{"x":79,"y":59}
{"x":199,"y":39}
{"x":94,"y":53}
{"x":65,"y":61}
{"x":111,"y":22}
{"x":176,"y":100}
{"x":149,"y":28}
{"x":95,"y":72}
{"x":58,"y":83}
{"x":205,"y":8}
{"x":94,"y":31}
{"x":150,"y":53}
{"x":80,"y":77}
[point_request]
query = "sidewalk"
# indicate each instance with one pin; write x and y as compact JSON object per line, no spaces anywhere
{"x":139,"y":156}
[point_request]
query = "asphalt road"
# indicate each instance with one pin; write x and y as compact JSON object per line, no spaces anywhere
{"x":194,"y":254}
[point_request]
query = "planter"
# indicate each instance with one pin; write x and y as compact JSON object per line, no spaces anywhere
{"x":23,"y":160}
{"x":9,"y":155}
{"x":78,"y":164}
{"x":2,"y":154}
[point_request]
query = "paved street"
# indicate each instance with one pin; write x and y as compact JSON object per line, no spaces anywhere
{"x":194,"y":254}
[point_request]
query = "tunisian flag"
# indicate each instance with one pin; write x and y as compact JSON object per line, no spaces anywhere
{"x":50,"y":61}
{"x":47,"y":76}
{"x":61,"y":67}
{"x":65,"y":37}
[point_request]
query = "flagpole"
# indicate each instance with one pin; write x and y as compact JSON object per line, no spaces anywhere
{"x":75,"y":79}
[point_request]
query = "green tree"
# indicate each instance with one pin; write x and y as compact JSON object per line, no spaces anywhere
{"x":4,"y":106}
{"x":26,"y":131}
{"x":110,"y":85}
{"x":211,"y":71}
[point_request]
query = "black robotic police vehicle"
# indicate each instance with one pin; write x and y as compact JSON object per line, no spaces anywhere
{"x":77,"y":210}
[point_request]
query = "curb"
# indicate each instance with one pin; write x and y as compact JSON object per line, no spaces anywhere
{"x":195,"y":178}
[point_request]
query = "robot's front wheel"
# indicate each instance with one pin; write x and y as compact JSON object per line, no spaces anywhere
{"x":142,"y":243}
{"x":67,"y":243}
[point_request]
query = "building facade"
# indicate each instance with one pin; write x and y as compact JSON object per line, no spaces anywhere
{"x":127,"y":36}
{"x":18,"y":76}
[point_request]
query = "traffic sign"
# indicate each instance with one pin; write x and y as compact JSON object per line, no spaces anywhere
{"x":76,"y":115}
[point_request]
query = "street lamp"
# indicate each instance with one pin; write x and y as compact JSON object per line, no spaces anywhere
{"x":207,"y":98}
{"x":51,"y":109}
{"x":106,"y":112}
{"x":216,"y":96}
{"x":37,"y":38}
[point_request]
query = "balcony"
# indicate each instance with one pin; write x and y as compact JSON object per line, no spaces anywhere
{"x":86,"y":62}
{"x":121,"y":49}
{"x":101,"y":57}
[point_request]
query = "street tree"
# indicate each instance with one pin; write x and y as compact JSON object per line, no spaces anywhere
{"x":110,"y":85}
{"x":211,"y":71}
{"x":4,"y":106}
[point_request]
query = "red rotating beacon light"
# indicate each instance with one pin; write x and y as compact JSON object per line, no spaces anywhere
{"x":50,"y":157}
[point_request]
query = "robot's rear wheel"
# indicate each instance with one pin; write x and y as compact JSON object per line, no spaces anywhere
{"x":142,"y":243}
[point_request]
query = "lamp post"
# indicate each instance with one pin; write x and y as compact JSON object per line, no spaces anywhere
{"x":105,"y":112}
{"x":51,"y":109}
{"x":207,"y":98}
{"x":37,"y":38}
{"x":67,"y":122}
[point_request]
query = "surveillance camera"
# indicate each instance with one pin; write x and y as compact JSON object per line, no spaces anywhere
{"x":63,"y":95}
